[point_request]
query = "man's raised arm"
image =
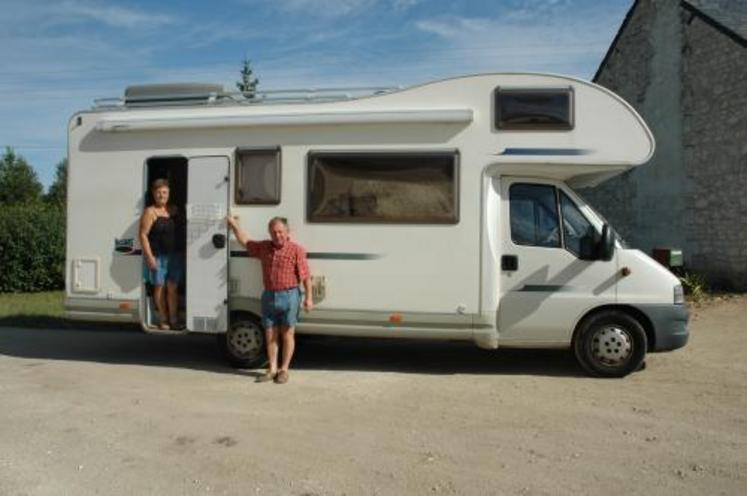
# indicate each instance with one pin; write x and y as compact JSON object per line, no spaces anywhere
{"x":240,"y":234}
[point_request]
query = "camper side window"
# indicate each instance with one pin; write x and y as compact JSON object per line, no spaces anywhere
{"x":257,"y":176}
{"x":534,"y":109}
{"x":534,"y":215}
{"x":404,"y":188}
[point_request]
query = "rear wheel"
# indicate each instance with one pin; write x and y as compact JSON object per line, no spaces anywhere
{"x":610,"y":343}
{"x":244,"y":343}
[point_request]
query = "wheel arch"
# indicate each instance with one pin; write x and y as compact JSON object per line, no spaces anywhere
{"x":641,"y":317}
{"x":240,"y":313}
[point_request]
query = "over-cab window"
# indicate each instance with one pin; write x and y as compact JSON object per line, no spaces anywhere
{"x":534,"y":109}
{"x":414,"y":188}
{"x":257,"y":176}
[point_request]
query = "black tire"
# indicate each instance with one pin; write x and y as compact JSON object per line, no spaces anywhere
{"x":610,"y":343}
{"x":243,"y":345}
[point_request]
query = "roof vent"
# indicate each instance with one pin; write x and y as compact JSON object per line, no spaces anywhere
{"x":144,"y":95}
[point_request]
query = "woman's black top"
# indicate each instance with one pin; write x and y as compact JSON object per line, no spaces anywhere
{"x":161,"y":236}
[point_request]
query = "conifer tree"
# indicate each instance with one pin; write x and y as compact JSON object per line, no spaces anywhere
{"x":57,"y":193}
{"x":18,"y":181}
{"x":248,"y":84}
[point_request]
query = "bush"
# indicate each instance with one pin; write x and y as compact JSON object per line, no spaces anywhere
{"x":695,"y":285}
{"x":32,"y":248}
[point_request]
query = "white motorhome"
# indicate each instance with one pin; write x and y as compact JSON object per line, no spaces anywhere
{"x":442,"y":211}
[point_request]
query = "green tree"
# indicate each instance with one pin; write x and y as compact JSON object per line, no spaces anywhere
{"x":18,"y":181}
{"x":57,"y":193}
{"x":247,"y":85}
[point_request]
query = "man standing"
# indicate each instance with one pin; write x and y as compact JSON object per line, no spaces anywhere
{"x":284,"y":269}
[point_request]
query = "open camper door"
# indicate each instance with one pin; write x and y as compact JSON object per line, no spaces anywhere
{"x":207,"y":244}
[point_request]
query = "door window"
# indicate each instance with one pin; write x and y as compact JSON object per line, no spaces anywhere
{"x":534,"y":215}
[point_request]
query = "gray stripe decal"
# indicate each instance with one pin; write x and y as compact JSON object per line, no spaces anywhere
{"x":539,"y":288}
{"x":320,"y":255}
{"x":343,"y":256}
{"x":546,"y":151}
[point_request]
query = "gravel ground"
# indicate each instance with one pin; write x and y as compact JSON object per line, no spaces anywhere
{"x":120,"y":412}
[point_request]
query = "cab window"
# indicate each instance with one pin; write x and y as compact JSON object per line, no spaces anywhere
{"x":534,"y":215}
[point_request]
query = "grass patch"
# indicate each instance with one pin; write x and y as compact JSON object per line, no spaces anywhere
{"x":40,"y":310}
{"x":46,"y":304}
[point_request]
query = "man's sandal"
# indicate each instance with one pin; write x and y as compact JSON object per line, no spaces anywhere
{"x":281,"y":377}
{"x":266,"y":377}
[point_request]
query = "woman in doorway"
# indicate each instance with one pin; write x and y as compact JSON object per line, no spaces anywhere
{"x":163,"y":266}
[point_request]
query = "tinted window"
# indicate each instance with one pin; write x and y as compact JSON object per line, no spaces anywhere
{"x":534,"y":215}
{"x":575,"y":225}
{"x":257,"y":176}
{"x":397,"y":188}
{"x":534,"y":109}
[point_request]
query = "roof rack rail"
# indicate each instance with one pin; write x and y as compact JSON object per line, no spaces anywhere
{"x":163,"y":95}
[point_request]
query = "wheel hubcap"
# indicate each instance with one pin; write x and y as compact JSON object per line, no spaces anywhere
{"x":612,"y":346}
{"x":245,"y":340}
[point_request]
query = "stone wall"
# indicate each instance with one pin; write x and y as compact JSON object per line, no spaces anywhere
{"x":714,"y":104}
{"x":646,"y":205}
{"x":688,"y":80}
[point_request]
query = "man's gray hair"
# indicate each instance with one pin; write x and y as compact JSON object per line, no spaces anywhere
{"x":275,"y":220}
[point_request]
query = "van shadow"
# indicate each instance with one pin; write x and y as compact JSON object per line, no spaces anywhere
{"x":112,"y":344}
{"x":428,"y":357}
{"x":129,"y":345}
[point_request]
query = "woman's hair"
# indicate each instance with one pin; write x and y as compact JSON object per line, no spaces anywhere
{"x":159,"y":183}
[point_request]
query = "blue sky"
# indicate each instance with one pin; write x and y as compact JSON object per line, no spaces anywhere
{"x":61,"y":54}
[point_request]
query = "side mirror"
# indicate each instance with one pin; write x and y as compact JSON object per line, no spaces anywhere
{"x":607,"y":243}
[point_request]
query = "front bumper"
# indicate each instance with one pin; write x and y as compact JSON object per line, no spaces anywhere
{"x":670,"y":325}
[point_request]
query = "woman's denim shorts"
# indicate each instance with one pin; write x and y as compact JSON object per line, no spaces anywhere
{"x":168,"y":268}
{"x":280,"y":308}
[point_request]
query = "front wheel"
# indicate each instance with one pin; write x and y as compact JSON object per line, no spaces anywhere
{"x":244,"y":343}
{"x":610,"y":343}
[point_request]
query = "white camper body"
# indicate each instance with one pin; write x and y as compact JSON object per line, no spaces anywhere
{"x":439,"y":211}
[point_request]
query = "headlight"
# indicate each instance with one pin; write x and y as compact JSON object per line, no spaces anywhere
{"x":679,"y":295}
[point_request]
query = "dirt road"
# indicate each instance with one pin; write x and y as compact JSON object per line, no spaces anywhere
{"x":120,"y":412}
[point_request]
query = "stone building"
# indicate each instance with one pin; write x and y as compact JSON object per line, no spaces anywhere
{"x":683,"y":65}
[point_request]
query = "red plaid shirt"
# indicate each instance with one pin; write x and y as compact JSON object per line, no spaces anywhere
{"x":282,"y":268}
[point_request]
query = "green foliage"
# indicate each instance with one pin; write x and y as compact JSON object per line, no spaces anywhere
{"x":32,"y":248}
{"x":47,"y":304}
{"x":695,"y":285}
{"x":18,"y":181}
{"x":247,"y":85}
{"x":57,"y":194}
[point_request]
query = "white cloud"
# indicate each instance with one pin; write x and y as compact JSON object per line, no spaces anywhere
{"x":119,"y":17}
{"x":402,"y":5}
{"x":555,"y":39}
{"x":328,"y":9}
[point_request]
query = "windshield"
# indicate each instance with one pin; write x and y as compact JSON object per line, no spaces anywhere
{"x":620,"y":239}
